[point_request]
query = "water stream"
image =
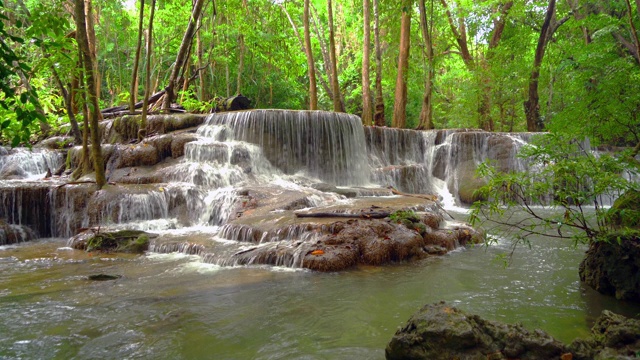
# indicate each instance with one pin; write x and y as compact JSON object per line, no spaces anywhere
{"x":173,"y":306}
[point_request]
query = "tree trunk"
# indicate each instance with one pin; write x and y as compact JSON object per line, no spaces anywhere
{"x":634,"y":33}
{"x":575,"y":10}
{"x":531,"y":105}
{"x":142,"y":132}
{"x":200,"y":54}
{"x":66,"y":96}
{"x":367,"y":113}
{"x":181,"y":58}
{"x":460,"y":34}
{"x":240,"y":64}
{"x":379,"y":102}
{"x":335,"y":85}
{"x":93,"y":45}
{"x":426,"y":113}
{"x":133,"y":92}
{"x":400,"y":103}
{"x":91,"y":91}
{"x":325,"y":53}
{"x":313,"y":88}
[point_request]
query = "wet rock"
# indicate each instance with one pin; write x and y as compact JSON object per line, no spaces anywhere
{"x":179,"y":141}
{"x":13,"y":234}
{"x":56,"y":142}
{"x":468,"y":182}
{"x":439,"y":331}
{"x":340,"y":245}
{"x":12,"y":171}
{"x":125,"y":129}
{"x":613,"y":268}
{"x":612,"y":337}
{"x":126,"y":241}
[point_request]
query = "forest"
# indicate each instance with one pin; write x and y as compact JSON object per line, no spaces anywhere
{"x":571,"y":66}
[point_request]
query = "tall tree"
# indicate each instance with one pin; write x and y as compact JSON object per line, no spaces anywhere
{"x":338,"y":106}
{"x":183,"y":52}
{"x":426,"y":27}
{"x":313,"y":88}
{"x":91,"y":89}
{"x":400,"y":102}
{"x":147,"y":77}
{"x":532,"y":104}
{"x":367,"y":113}
{"x":378,"y":115}
{"x":133,"y":92}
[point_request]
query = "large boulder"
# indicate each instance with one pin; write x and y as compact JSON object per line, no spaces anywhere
{"x":468,"y":183}
{"x":439,"y":331}
{"x":613,"y":336}
{"x":612,"y":267}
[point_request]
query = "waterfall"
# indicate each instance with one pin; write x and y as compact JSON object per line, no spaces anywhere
{"x":21,"y":163}
{"x":439,"y":160}
{"x":323,"y":145}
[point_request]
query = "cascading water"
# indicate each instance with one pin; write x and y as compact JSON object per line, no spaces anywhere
{"x":285,"y":150}
{"x":439,"y":161}
{"x":20,"y":163}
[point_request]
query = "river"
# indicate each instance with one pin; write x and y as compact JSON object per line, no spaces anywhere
{"x":172,"y":306}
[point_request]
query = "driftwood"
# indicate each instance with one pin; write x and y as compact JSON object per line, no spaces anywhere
{"x":362,"y":215}
{"x":420,"y":196}
{"x":125,"y":108}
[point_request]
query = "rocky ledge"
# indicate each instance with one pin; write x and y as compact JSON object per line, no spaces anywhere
{"x":439,"y":331}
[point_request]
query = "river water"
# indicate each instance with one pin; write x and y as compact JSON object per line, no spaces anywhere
{"x":171,"y":306}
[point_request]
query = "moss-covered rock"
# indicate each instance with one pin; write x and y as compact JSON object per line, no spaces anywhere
{"x":625,"y":211}
{"x":126,"y":241}
{"x":439,"y":331}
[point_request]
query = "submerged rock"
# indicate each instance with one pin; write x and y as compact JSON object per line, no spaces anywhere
{"x":439,"y":331}
{"x":103,"y":277}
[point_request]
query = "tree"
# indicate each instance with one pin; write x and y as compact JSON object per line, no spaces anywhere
{"x":181,"y":57}
{"x":313,"y":88}
{"x":531,"y":105}
{"x":338,"y":106}
{"x":90,"y":75}
{"x":134,"y":81}
{"x":367,"y":113}
{"x":400,"y":103}
{"x":147,"y":79}
{"x":378,"y":115}
{"x":426,"y":114}
{"x":565,"y":179}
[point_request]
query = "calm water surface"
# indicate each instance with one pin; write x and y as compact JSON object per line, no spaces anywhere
{"x":175,"y":307}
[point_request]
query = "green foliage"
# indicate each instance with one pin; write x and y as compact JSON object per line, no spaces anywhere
{"x":564,"y":181}
{"x":18,"y":105}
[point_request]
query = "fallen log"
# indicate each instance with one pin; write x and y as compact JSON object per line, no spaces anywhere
{"x":362,"y":215}
{"x":116,"y":109}
{"x":420,"y":196}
